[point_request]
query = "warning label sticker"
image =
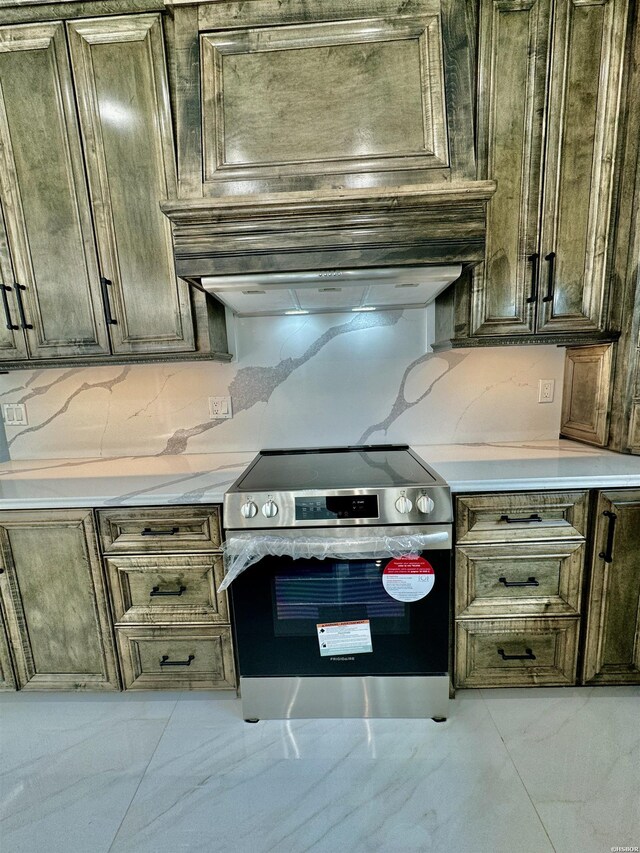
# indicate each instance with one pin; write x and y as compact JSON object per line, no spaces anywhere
{"x":408,"y":578}
{"x":344,"y":638}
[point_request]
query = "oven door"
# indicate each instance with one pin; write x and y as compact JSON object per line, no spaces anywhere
{"x":312,"y":617}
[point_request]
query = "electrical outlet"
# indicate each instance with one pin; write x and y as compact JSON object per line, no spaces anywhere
{"x":220,"y":407}
{"x":14,"y":414}
{"x":546,"y":390}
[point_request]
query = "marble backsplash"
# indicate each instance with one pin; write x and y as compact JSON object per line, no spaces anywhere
{"x":297,"y":381}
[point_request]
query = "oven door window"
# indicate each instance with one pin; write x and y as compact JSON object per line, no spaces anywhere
{"x":309,"y":593}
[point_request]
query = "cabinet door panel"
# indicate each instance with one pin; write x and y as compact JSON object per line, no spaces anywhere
{"x":123,"y":99}
{"x":7,"y":678}
{"x":54,"y":599}
{"x":44,"y":195}
{"x":584,"y":98}
{"x":513,"y":58}
{"x":12,"y":340}
{"x":612,"y":652}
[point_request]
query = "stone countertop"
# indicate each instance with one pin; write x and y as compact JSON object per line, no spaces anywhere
{"x":204,"y":478}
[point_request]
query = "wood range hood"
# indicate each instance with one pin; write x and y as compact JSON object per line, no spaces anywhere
{"x":420,"y":224}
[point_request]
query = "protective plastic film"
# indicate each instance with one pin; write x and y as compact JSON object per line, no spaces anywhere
{"x":240,"y":552}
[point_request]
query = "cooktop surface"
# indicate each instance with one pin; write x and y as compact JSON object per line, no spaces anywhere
{"x":374,"y":466}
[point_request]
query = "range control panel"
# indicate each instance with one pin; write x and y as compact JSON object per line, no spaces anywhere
{"x":328,"y":507}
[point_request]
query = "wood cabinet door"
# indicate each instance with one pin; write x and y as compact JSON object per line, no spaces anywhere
{"x":513,"y":53}
{"x":612,"y":649}
{"x":12,"y":341}
{"x":584,"y":97}
{"x":54,"y":600}
{"x":44,"y":196}
{"x":123,"y":101}
{"x":7,"y":678}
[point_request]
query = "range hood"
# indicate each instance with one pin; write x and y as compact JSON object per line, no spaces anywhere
{"x":327,"y":291}
{"x":361,"y":249}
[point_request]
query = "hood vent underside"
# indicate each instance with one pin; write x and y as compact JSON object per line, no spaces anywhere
{"x":268,"y":294}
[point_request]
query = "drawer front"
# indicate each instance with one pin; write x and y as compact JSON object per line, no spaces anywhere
{"x":539,"y":578}
{"x":164,"y":588}
{"x":525,"y":517}
{"x":180,"y":658}
{"x":156,"y":529}
{"x":516,"y":652}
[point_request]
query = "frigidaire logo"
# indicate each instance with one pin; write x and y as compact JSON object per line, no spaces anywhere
{"x":352,"y":658}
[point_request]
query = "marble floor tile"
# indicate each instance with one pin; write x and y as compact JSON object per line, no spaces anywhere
{"x":398,"y":786}
{"x":577,"y":751}
{"x":70,"y":766}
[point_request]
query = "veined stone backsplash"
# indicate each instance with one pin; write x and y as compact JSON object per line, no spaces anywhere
{"x":298,"y":381}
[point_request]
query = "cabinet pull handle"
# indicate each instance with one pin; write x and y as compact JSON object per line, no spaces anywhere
{"x":23,"y":319}
{"x":551,"y":281}
{"x":7,"y":311}
{"x":529,"y":582}
{"x":607,"y":554}
{"x":534,"y":277}
{"x":157,"y":591}
{"x":528,"y":655}
{"x":105,"y":283}
{"x":148,"y":531}
{"x":164,"y":661}
{"x":528,"y":520}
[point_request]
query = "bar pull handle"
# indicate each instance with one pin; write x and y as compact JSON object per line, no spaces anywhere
{"x":607,"y":554}
{"x":528,"y":520}
{"x":164,"y":661}
{"x":148,"y":531}
{"x":7,"y":310}
{"x":157,"y":591}
{"x":551,"y":281}
{"x":23,"y":319}
{"x":529,"y":582}
{"x":105,"y":283}
{"x":535,"y":258}
{"x":528,"y":655}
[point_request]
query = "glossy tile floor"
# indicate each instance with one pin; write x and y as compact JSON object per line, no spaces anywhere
{"x":519,"y":771}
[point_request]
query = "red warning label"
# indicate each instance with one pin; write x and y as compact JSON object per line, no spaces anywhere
{"x":408,"y":578}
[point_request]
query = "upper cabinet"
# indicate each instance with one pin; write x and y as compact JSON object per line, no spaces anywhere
{"x":86,"y":156}
{"x":549,"y":93}
{"x":55,"y":286}
{"x":123,"y":100}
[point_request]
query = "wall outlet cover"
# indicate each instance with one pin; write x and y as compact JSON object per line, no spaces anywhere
{"x":220,"y":407}
{"x":14,"y":414}
{"x":546,"y":390}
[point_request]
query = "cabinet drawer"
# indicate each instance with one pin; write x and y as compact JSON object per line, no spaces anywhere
{"x":163,"y":588}
{"x":158,"y":529}
{"x":526,"y":517}
{"x":537,"y":578}
{"x":181,"y":658}
{"x":516,"y":652}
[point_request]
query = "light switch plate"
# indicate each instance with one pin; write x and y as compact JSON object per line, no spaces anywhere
{"x":14,"y":414}
{"x":220,"y":407}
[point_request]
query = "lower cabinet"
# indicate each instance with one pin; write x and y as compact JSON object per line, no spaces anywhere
{"x":516,"y":652}
{"x":164,"y":657}
{"x":527,"y":608}
{"x":612,"y":641}
{"x":7,"y":678}
{"x":172,"y":626}
{"x":54,"y":602}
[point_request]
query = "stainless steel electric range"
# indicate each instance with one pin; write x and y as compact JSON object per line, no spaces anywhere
{"x":340,"y":559}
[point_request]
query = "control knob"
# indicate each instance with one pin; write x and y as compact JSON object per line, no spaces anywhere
{"x":249,"y":509}
{"x":425,"y":504}
{"x":270,"y":509}
{"x":404,"y":505}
